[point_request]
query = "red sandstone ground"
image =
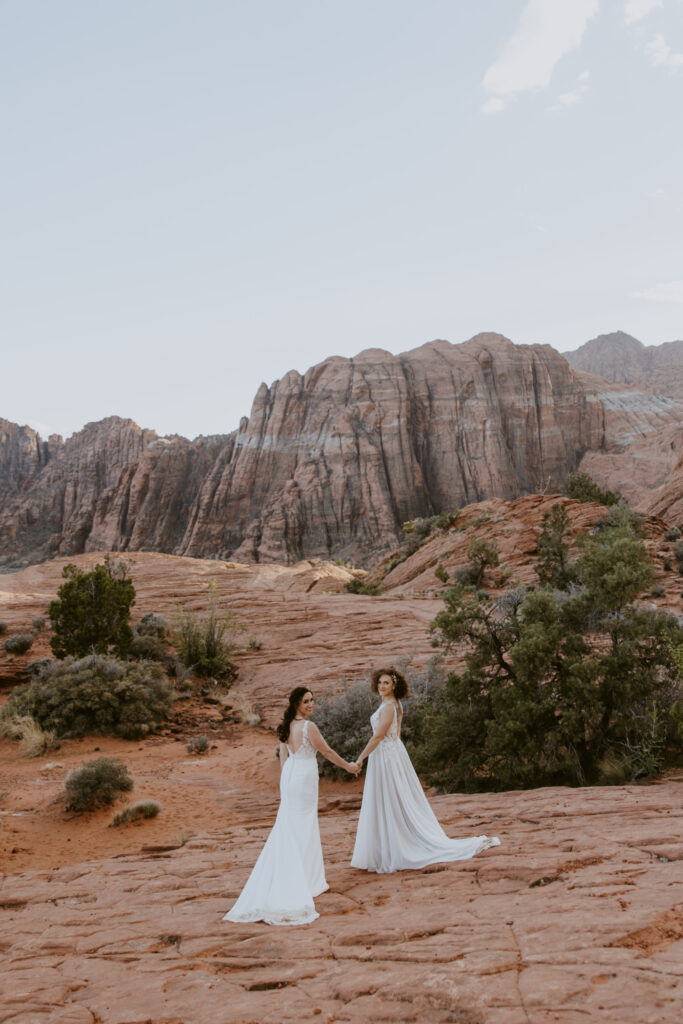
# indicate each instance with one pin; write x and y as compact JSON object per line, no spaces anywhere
{"x":577,"y":916}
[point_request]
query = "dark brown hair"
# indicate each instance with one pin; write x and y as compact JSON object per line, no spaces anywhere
{"x":295,"y":698}
{"x":401,"y":688}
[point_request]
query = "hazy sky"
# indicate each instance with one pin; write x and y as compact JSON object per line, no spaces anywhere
{"x":198,"y":195}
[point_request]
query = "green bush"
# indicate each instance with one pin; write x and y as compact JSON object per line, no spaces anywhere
{"x":582,"y":487}
{"x":482,"y":555}
{"x":557,"y":685}
{"x":415,"y":533}
{"x":91,"y":612}
{"x":441,"y":573}
{"x":672,"y":534}
{"x":142,"y":809}
{"x":150,"y":639}
{"x":19,"y":643}
{"x":3,"y":628}
{"x":359,"y":586}
{"x":207,"y":645}
{"x":38,"y":623}
{"x":97,"y":694}
{"x":96,"y":784}
{"x":447,"y":520}
{"x":553,"y":567}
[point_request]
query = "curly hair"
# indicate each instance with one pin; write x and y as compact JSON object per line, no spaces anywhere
{"x":401,"y":688}
{"x":295,"y":698}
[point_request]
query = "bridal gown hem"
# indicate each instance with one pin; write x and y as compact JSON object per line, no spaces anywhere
{"x":289,"y":871}
{"x":397,"y":828}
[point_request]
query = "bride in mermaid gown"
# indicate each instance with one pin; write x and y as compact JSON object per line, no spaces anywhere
{"x":397,"y":829}
{"x":289,"y":872}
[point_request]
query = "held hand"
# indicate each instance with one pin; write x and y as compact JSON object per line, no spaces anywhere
{"x":352,"y":767}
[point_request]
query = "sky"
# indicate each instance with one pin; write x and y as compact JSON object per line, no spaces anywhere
{"x":200,"y":195}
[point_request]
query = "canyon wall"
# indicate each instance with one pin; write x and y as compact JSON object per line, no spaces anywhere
{"x":330,"y":463}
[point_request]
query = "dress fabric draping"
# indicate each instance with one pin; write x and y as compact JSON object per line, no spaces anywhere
{"x":289,"y":872}
{"x":397,"y":829}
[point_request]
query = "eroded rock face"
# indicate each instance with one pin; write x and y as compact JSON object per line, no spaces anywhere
{"x":329,"y":463}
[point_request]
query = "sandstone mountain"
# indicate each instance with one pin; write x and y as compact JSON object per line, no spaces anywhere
{"x":330,"y":463}
{"x":620,"y":357}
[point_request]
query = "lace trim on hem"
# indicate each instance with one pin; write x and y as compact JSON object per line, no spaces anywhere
{"x":304,"y":915}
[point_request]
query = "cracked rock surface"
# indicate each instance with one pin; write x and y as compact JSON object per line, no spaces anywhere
{"x":576,"y":917}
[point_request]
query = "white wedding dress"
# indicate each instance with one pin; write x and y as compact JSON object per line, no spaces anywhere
{"x":289,"y":871}
{"x":397,"y":829}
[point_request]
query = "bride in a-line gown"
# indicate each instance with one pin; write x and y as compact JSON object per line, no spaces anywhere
{"x":397,"y":829}
{"x":289,"y":872}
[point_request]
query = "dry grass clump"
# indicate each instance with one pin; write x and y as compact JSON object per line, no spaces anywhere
{"x":34,"y":740}
{"x":96,"y":784}
{"x":197,"y":745}
{"x":142,"y":809}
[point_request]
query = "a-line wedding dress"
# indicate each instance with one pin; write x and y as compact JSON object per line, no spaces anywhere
{"x":289,"y":872}
{"x":397,"y":829}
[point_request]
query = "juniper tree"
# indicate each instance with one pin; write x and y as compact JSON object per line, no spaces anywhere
{"x":91,"y":613}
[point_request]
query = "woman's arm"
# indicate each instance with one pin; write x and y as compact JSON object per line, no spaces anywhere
{"x":284,"y":754}
{"x":386,"y":717}
{"x":319,"y":744}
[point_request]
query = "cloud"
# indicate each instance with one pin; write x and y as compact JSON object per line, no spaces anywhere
{"x":671,"y":291}
{"x":636,"y":10}
{"x":574,"y":96}
{"x":659,"y":52}
{"x":546,"y":31}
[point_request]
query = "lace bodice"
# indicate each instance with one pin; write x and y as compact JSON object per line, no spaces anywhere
{"x":306,"y":749}
{"x":393,"y":734}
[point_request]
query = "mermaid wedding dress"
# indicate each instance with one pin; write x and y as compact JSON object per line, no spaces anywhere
{"x":289,"y":871}
{"x":397,"y":829}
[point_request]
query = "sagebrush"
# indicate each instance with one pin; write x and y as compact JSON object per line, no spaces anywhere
{"x":98,"y":783}
{"x":97,"y":694}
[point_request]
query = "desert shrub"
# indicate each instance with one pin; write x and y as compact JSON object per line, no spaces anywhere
{"x":666,"y":565}
{"x":142,"y":809}
{"x":37,"y":667}
{"x":447,"y":520}
{"x":198,"y":745}
{"x":466,"y":575}
{"x":482,"y":555}
{"x":3,"y":628}
{"x":97,"y":694}
{"x":96,"y":784}
{"x":152,"y":624}
{"x":582,"y":487}
{"x":621,"y":516}
{"x":441,"y":573}
{"x":19,"y":643}
{"x":150,"y":639}
{"x":254,"y":644}
{"x":91,"y":612}
{"x":207,"y":645}
{"x":38,"y":623}
{"x":556,"y":684}
{"x":357,"y":585}
{"x":657,"y":590}
{"x":33,"y":740}
{"x":415,"y":533}
{"x":672,"y":534}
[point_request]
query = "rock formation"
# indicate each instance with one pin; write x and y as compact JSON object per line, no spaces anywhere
{"x":621,"y":357}
{"x":330,"y":462}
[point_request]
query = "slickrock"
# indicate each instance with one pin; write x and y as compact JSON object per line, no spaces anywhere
{"x":330,"y":463}
{"x":576,"y":917}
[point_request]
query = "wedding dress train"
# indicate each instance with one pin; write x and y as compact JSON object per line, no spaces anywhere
{"x":397,"y":829}
{"x":289,"y":872}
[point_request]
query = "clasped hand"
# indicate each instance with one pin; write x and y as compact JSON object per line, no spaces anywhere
{"x":353,"y":767}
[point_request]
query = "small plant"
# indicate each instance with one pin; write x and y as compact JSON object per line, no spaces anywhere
{"x":359,"y":586}
{"x":207,"y":645}
{"x":96,"y":784}
{"x":657,"y":590}
{"x":19,"y":643}
{"x":38,"y":623}
{"x":197,"y":745}
{"x":672,"y":534}
{"x":666,"y":565}
{"x":447,"y":520}
{"x":184,"y":836}
{"x":34,"y":669}
{"x":3,"y":628}
{"x":142,"y":809}
{"x":254,"y":644}
{"x":441,"y":573}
